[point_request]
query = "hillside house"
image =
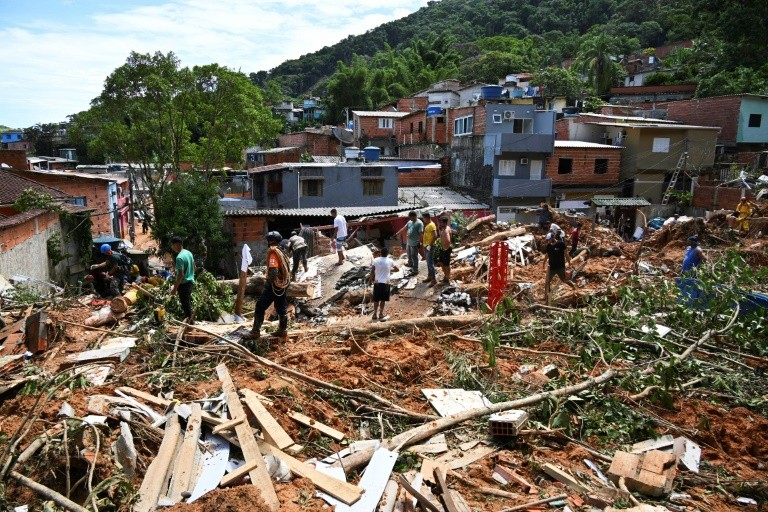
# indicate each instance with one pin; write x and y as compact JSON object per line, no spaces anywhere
{"x":579,"y":170}
{"x":647,"y":97}
{"x":376,"y":128}
{"x":651,"y":149}
{"x":640,"y":66}
{"x":25,"y":236}
{"x":743,"y":122}
{"x":257,"y":157}
{"x":313,"y":141}
{"x":107,"y":195}
{"x":314,"y":185}
{"x":498,"y":151}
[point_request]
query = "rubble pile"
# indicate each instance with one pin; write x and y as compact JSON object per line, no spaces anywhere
{"x":614,"y":404}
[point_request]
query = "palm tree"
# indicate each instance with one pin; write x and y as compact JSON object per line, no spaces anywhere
{"x":595,"y":61}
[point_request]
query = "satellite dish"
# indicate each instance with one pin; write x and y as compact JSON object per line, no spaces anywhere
{"x":344,"y":135}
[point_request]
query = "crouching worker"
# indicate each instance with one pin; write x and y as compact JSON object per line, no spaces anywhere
{"x":275,"y":290}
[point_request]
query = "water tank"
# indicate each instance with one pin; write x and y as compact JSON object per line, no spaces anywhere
{"x":372,"y":154}
{"x":351,"y":153}
{"x":491,"y":92}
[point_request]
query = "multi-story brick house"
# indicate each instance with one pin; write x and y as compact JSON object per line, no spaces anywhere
{"x":651,"y":148}
{"x":743,"y":122}
{"x":314,"y":141}
{"x":107,"y":195}
{"x":376,"y":128}
{"x":498,"y":151}
{"x":579,"y":170}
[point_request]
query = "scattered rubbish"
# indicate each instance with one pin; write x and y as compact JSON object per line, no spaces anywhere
{"x":507,"y":423}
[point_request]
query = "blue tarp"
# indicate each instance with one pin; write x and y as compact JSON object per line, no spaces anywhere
{"x":692,"y":295}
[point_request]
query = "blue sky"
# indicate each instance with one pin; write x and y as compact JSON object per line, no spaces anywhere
{"x":56,"y":53}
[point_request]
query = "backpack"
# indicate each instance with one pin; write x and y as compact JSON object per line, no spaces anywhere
{"x":125,"y":263}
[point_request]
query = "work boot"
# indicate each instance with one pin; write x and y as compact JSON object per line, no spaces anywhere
{"x":282,"y":331}
{"x":252,"y":337}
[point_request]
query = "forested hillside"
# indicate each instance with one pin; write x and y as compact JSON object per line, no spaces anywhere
{"x":478,"y":39}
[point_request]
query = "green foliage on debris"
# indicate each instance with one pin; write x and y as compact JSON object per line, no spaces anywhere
{"x":209,"y":299}
{"x":31,"y":199}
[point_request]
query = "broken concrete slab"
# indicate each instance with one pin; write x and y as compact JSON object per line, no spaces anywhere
{"x":448,"y":402}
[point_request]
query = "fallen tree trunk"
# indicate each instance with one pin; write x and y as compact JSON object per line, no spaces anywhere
{"x":482,"y":220}
{"x":255,"y":286}
{"x":432,"y":322}
{"x":503,"y":235}
{"x":410,"y":437}
{"x":47,"y":492}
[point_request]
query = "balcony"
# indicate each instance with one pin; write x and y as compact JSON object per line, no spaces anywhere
{"x":511,"y":187}
{"x":526,"y":143}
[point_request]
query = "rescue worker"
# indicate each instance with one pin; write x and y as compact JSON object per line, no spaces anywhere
{"x":275,"y":290}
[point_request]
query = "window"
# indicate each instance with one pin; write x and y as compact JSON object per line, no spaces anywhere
{"x":411,"y":127}
{"x":421,"y":126}
{"x":565,"y":166}
{"x":506,"y":167}
{"x":601,"y":165}
{"x":660,"y":145}
{"x":496,"y":118}
{"x":373,"y":187}
{"x":522,"y":126}
{"x":385,"y":122}
{"x":755,"y":120}
{"x":463,"y":125}
{"x":312,"y":188}
{"x":79,"y":201}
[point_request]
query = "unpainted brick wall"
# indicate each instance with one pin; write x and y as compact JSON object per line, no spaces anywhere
{"x":583,"y":166}
{"x":722,"y":112}
{"x":711,"y":197}
{"x":15,"y":158}
{"x":246,"y":229}
{"x":419,"y":177}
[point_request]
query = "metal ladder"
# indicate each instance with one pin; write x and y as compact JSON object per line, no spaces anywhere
{"x":673,"y":181}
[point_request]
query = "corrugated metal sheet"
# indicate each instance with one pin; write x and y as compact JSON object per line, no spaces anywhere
{"x":351,"y":211}
{"x":376,"y":113}
{"x":582,"y":144}
{"x":621,"y":201}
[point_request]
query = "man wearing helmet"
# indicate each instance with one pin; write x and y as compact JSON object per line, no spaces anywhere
{"x":275,"y":290}
{"x":113,"y":267}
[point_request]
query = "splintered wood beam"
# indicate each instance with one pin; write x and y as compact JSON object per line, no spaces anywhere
{"x":239,"y":473}
{"x":259,"y":476}
{"x":320,"y":427}
{"x":185,"y":462}
{"x":273,"y":432}
{"x":154,"y":479}
{"x":228,"y":425}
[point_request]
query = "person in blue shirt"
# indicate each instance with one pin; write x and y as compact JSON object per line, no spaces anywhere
{"x":694,"y":256}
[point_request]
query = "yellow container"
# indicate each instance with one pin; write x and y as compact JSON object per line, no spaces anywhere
{"x":159,"y":314}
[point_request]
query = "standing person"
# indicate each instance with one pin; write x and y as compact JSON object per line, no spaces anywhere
{"x":446,"y":246}
{"x":275,"y":290}
{"x":339,"y":234}
{"x":694,"y":256}
{"x":744,"y":209}
{"x":575,"y":234}
{"x":609,"y":216}
{"x":430,"y":240}
{"x":185,"y":277}
{"x":545,"y":217}
{"x":115,"y":267}
{"x":557,"y":256}
{"x":308,"y":234}
{"x":414,"y":235}
{"x":299,"y":251}
{"x":144,"y":226}
{"x":381,"y":269}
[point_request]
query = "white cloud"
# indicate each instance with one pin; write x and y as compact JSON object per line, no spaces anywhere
{"x":51,"y":70}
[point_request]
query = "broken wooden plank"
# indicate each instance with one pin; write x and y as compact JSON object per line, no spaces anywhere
{"x":563,"y":477}
{"x":239,"y":473}
{"x":182,"y":472}
{"x":434,"y":445}
{"x":320,"y":427}
{"x":454,"y":460}
{"x":459,"y":502}
{"x":164,"y":403}
{"x":273,"y":432}
{"x":259,"y":476}
{"x":450,"y":505}
{"x":154,"y":479}
{"x":509,"y":476}
{"x":342,"y":491}
{"x":660,"y":443}
{"x":423,"y":501}
{"x":389,"y":499}
{"x":228,"y":425}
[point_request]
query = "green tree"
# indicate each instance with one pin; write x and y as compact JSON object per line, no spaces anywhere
{"x":189,"y":208}
{"x":348,"y":88}
{"x":559,"y":82}
{"x":154,"y":114}
{"x":595,"y":60}
{"x":42,"y":137}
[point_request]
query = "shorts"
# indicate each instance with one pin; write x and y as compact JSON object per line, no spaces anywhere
{"x":340,"y":243}
{"x":380,"y":292}
{"x":445,"y":256}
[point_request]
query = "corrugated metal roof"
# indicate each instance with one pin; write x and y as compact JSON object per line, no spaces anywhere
{"x":621,"y":201}
{"x":379,"y":113}
{"x":349,"y":211}
{"x":582,"y":144}
{"x":653,"y":125}
{"x":630,"y":118}
{"x":325,"y":159}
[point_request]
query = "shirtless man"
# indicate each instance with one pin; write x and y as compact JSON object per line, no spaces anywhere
{"x":446,"y":241}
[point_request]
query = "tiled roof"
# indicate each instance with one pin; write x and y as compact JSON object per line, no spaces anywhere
{"x":620,"y":201}
{"x":582,"y":144}
{"x":13,"y":186}
{"x":19,"y":218}
{"x":229,"y":210}
{"x":379,"y":113}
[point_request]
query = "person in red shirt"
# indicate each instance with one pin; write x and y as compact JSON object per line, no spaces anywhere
{"x":575,"y":234}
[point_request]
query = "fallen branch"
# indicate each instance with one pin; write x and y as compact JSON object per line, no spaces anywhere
{"x":358,"y":393}
{"x":410,"y":437}
{"x":47,"y":492}
{"x":433,"y":322}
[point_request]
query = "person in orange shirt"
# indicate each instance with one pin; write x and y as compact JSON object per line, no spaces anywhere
{"x":275,"y":291}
